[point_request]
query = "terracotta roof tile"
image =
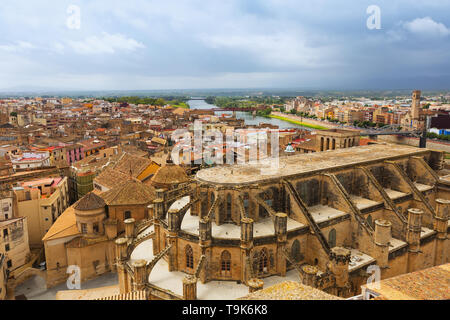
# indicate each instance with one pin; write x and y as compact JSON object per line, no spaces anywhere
{"x":111,"y":178}
{"x":133,"y":163}
{"x":90,"y":201}
{"x":290,"y":290}
{"x":428,"y":284}
{"x":130,"y":192}
{"x":170,"y":174}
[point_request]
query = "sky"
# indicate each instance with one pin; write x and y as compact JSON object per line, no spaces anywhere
{"x":207,"y":44}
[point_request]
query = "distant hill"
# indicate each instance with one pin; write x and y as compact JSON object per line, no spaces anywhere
{"x":282,"y":92}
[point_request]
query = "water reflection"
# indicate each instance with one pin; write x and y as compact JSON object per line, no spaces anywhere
{"x":247,"y":116}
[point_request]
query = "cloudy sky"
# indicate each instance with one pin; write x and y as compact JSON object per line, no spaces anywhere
{"x":188,"y":44}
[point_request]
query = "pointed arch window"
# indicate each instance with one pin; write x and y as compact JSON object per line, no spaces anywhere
{"x":225,"y":263}
{"x":370,"y":221}
{"x":245,"y":199}
{"x":212,"y":198}
{"x":189,"y":257}
{"x":295,"y":251}
{"x":263,"y":263}
{"x":332,"y":238}
{"x":228,"y":212}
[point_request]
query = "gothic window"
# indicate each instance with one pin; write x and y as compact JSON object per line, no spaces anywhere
{"x":245,"y":200}
{"x":204,"y":204}
{"x":212,"y":198}
{"x":370,"y":221}
{"x":189,"y":257}
{"x":263,"y":263}
{"x":288,"y":205}
{"x":332,"y":238}
{"x":225,"y":263}
{"x":228,"y":212}
{"x":295,"y":251}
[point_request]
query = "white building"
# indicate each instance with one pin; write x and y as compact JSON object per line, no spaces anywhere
{"x":30,"y":160}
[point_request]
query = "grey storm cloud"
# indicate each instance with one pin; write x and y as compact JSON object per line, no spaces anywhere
{"x":139,"y":44}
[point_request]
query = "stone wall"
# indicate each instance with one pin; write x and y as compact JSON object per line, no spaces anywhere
{"x":411,"y":141}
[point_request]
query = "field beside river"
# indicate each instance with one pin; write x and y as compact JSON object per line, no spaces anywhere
{"x":305,"y":122}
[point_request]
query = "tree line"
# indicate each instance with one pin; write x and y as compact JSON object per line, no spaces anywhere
{"x":174,"y":101}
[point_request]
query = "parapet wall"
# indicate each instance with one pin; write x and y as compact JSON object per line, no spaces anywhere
{"x":414,"y":142}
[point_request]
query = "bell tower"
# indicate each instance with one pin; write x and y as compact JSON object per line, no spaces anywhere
{"x":415,"y":105}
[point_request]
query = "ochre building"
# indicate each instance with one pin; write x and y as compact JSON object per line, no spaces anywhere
{"x":327,"y":216}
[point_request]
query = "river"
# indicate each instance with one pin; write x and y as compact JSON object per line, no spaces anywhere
{"x":247,"y":116}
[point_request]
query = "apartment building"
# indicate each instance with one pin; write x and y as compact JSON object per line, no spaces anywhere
{"x":6,"y":205}
{"x":42,"y":201}
{"x":57,"y":154}
{"x":3,"y":277}
{"x":14,"y":243}
{"x":30,"y":160}
{"x":92,"y":146}
{"x":74,"y":153}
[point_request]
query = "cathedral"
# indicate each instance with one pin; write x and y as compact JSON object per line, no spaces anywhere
{"x":326,"y":220}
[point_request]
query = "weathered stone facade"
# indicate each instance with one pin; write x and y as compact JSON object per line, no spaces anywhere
{"x":328,"y":215}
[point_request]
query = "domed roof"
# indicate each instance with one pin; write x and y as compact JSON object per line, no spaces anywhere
{"x":131,"y":192}
{"x":90,"y":201}
{"x":170,"y":174}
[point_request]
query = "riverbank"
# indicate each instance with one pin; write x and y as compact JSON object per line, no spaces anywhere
{"x":313,"y":124}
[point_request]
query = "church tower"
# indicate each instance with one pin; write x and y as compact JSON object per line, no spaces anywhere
{"x":415,"y":106}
